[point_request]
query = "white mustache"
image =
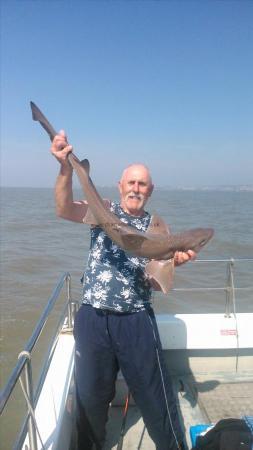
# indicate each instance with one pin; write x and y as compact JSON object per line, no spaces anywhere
{"x":138,"y":196}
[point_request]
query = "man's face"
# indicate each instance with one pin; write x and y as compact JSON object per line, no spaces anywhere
{"x":135,"y":188}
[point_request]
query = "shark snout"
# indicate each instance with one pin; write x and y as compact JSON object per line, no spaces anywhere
{"x":203,"y":235}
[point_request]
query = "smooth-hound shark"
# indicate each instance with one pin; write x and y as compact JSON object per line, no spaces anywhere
{"x":156,"y":244}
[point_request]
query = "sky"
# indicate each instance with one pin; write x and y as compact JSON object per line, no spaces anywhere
{"x":166,"y":83}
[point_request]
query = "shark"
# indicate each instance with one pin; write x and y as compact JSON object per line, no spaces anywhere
{"x":157,"y":244}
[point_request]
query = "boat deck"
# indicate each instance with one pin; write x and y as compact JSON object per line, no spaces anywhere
{"x":209,"y":357}
{"x":200,"y":401}
{"x":135,"y":435}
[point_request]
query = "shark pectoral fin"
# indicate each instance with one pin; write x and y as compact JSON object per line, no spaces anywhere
{"x":89,"y":217}
{"x":162,"y":273}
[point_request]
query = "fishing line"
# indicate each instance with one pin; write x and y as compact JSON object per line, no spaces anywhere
{"x":163,"y":383}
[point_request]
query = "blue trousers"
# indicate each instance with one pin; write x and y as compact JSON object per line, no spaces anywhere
{"x":105,"y":342}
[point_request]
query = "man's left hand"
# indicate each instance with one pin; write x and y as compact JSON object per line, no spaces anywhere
{"x":183,"y":257}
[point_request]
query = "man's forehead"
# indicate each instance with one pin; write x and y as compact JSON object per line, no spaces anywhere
{"x":136,"y":171}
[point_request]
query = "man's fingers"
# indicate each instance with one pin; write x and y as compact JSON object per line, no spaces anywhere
{"x":65,"y":150}
{"x":192,"y":255}
{"x":61,"y":152}
{"x":63,"y":134}
{"x":60,"y":143}
{"x":182,"y":257}
{"x":60,"y":140}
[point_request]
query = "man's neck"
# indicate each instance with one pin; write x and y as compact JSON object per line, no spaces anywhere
{"x":136,"y":213}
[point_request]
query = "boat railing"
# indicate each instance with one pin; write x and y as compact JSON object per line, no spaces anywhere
{"x":229,"y":288}
{"x":23,"y":369}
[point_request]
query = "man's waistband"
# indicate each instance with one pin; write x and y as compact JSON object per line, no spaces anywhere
{"x":113,"y":312}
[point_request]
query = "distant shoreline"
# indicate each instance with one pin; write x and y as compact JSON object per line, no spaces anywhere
{"x":223,"y":188}
{"x":232,"y":188}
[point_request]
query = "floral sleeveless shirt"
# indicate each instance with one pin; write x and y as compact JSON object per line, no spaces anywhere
{"x":115,"y":279}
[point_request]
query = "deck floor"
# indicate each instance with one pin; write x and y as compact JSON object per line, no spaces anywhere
{"x":135,"y":436}
{"x":200,"y":401}
{"x":237,"y":400}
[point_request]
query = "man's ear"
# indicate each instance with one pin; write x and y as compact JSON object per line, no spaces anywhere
{"x":151,"y":189}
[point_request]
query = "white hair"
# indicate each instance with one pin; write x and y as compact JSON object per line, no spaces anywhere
{"x":136,"y":165}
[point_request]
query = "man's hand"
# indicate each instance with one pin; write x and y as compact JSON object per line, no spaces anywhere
{"x":60,"y":148}
{"x":183,"y":257}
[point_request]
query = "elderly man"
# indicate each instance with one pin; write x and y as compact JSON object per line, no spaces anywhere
{"x":115,"y":327}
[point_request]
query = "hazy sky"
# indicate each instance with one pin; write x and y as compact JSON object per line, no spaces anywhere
{"x":167,"y":83}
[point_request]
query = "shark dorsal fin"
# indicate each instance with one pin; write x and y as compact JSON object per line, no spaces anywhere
{"x":158,"y":225}
{"x":86,"y":165}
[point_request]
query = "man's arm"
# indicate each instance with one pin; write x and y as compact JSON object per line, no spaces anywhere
{"x":66,"y":207}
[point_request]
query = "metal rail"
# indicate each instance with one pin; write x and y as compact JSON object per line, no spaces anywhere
{"x":230,"y":288}
{"x":24,"y":366}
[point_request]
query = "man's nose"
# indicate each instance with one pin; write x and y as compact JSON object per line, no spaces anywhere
{"x":136,"y":187}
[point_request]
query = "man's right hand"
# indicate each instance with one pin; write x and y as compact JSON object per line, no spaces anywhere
{"x":60,"y":148}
